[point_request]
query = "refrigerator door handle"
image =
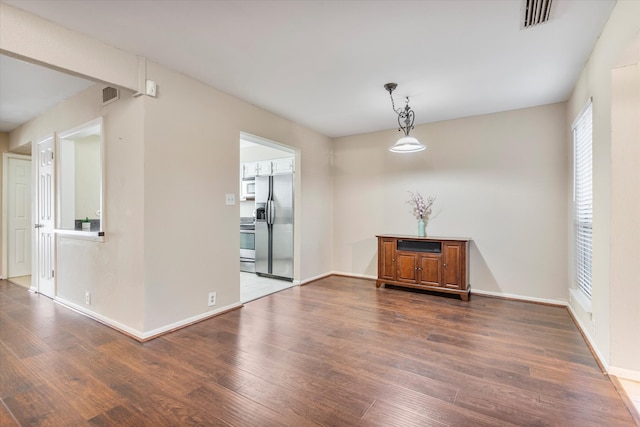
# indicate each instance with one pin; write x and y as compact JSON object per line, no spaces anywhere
{"x":267,"y":213}
{"x":271,"y":212}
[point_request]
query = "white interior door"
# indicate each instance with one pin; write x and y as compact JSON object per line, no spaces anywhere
{"x":19,"y":217}
{"x":45,"y":224}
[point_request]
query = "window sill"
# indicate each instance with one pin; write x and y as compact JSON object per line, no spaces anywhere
{"x":94,"y":236}
{"x":581,"y":299}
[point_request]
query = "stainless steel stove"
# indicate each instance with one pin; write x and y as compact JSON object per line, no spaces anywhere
{"x":248,"y":244}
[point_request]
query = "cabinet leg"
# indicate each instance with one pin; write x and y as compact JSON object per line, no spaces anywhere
{"x":465,"y":296}
{"x":378,"y":284}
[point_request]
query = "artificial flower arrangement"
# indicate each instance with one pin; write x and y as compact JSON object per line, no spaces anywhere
{"x":421,"y":208}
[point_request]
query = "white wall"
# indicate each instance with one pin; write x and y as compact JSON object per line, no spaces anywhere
{"x":170,"y":239}
{"x":595,"y":82}
{"x":66,"y":184}
{"x":112,"y":270}
{"x":499,"y":179}
{"x":625,"y":218}
{"x":191,"y":162}
{"x":156,"y":270}
{"x":88,"y":177}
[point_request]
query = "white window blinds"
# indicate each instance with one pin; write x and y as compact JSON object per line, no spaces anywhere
{"x":582,"y":199}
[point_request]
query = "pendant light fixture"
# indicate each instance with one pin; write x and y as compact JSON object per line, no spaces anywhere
{"x":407,"y":143}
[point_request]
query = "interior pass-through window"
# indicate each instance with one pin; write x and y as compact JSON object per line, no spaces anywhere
{"x":79,"y":169}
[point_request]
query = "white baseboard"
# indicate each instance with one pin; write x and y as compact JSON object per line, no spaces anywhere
{"x":585,"y":333}
{"x":190,"y":320}
{"x":143,"y":336}
{"x":314,"y":278}
{"x":625,"y":374}
{"x":561,"y":303}
{"x":519,"y":297}
{"x":360,"y":276}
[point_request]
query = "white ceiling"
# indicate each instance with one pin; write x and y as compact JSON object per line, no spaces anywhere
{"x":323,"y":63}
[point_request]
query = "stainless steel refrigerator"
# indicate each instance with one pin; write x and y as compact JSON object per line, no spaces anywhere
{"x":274,"y":226}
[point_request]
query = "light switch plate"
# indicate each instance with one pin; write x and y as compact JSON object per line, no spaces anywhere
{"x":231,"y":199}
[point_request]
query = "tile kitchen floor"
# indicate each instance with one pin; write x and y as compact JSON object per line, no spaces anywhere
{"x":253,"y":286}
{"x":632,"y":388}
{"x":24,"y":281}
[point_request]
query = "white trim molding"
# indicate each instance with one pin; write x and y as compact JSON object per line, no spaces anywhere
{"x":314,"y":278}
{"x":561,"y":303}
{"x":579,"y":296}
{"x":585,"y":333}
{"x":626,"y":374}
{"x":356,"y":275}
{"x":137,"y":334}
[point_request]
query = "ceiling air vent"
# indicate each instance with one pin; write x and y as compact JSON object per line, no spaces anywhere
{"x":535,"y":12}
{"x":109,"y":95}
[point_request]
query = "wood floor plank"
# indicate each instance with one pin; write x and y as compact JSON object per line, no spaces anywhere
{"x":385,"y":415}
{"x":43,"y":406}
{"x":238,"y":410}
{"x":6,"y":418}
{"x":338,"y":352}
{"x":300,"y":403}
{"x":15,"y":377}
{"x":90,"y":396}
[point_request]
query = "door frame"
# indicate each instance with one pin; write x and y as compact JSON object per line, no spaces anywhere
{"x":297,"y":193}
{"x":5,"y":209}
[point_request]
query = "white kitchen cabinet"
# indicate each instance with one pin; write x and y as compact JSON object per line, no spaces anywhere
{"x":267,"y":167}
{"x":264,"y":168}
{"x":280,"y":166}
{"x":249,"y":170}
{"x":252,"y":169}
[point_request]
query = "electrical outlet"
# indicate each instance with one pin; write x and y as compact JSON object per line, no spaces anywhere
{"x":87,"y":298}
{"x":230,"y":199}
{"x":212,"y":299}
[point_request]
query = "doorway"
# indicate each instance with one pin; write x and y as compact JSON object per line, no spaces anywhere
{"x":267,"y":206}
{"x":16,"y":227}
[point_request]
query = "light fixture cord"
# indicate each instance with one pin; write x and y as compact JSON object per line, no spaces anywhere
{"x":393,"y":104}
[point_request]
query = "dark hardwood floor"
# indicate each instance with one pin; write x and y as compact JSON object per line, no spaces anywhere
{"x":337,"y":352}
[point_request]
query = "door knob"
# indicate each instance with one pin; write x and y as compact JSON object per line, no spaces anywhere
{"x":38,"y":226}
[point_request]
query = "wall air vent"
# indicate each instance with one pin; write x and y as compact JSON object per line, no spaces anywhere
{"x":109,"y":95}
{"x":535,"y":12}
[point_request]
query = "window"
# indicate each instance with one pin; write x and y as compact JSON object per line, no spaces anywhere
{"x":582,"y":199}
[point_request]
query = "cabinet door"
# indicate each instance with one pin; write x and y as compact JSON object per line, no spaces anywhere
{"x":407,"y":270}
{"x":387,"y":259}
{"x":452,"y":265}
{"x":249,"y":170}
{"x":430,"y":270}
{"x":263,"y":168}
{"x":282,"y":165}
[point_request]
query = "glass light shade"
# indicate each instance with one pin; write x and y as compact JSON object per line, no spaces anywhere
{"x":407,"y":144}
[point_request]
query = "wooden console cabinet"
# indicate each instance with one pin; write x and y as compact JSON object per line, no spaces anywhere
{"x":433,"y":263}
